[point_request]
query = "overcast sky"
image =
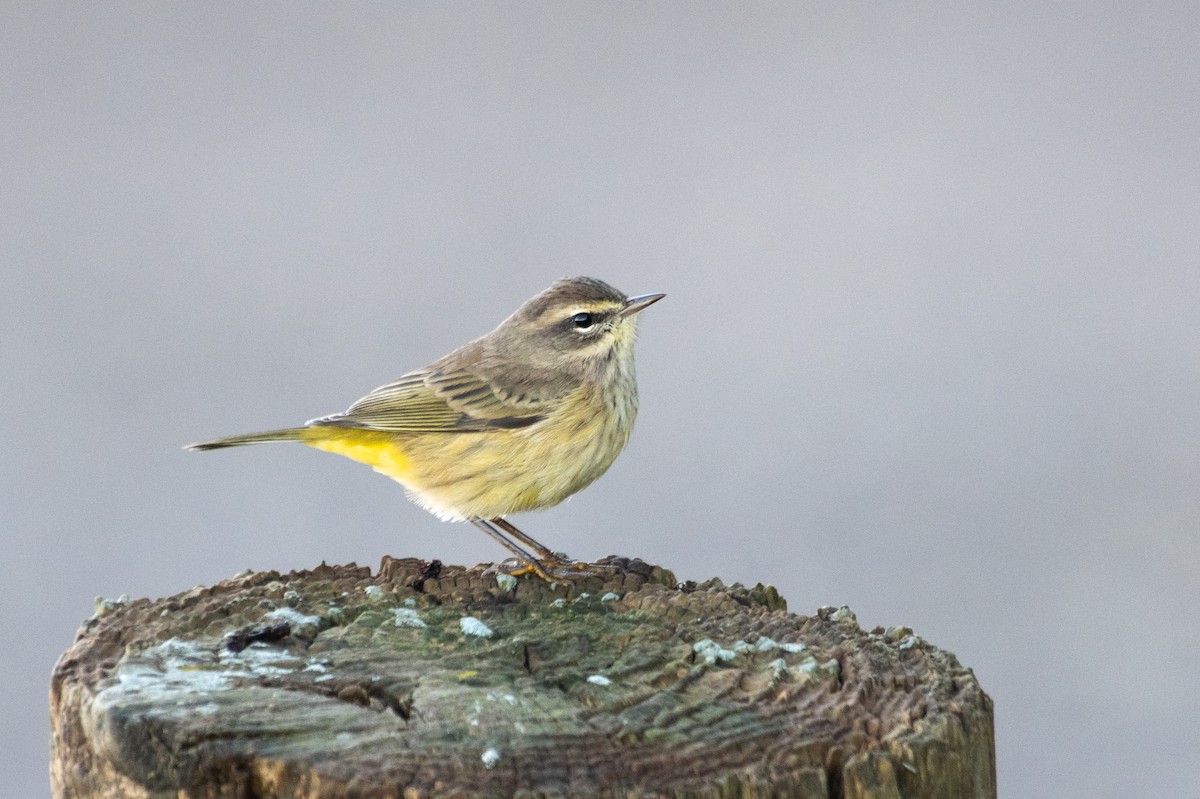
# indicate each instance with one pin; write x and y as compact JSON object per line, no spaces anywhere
{"x":929,"y":350}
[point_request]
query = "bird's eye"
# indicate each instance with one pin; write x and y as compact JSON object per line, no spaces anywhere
{"x":582,"y":320}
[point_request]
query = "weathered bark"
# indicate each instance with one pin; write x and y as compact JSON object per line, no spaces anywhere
{"x":470,"y":685}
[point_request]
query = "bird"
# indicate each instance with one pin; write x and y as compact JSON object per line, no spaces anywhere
{"x":517,"y":420}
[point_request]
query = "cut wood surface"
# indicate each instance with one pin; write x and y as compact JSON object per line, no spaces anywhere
{"x":418,"y":682}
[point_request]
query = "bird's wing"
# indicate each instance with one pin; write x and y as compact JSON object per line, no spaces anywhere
{"x":442,"y":401}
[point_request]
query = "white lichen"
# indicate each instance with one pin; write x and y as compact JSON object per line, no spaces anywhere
{"x":407,"y":617}
{"x":107,"y":606}
{"x":765,"y":644}
{"x":174,"y":671}
{"x":300,"y":622}
{"x":709,"y":651}
{"x":599,"y":679}
{"x":473,"y":626}
{"x":492,"y":696}
{"x":506,"y":582}
{"x":374,"y":593}
{"x":610,"y":597}
{"x":814,"y":670}
{"x":844,"y":613}
{"x":261,"y":659}
{"x":490,"y":757}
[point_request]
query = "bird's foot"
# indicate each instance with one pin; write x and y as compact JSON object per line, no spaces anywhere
{"x":519,"y":567}
{"x":557,"y":568}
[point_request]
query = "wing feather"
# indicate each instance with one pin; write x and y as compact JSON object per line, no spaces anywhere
{"x":437,"y":401}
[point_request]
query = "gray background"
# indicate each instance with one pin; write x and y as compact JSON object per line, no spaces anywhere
{"x":930,"y":347}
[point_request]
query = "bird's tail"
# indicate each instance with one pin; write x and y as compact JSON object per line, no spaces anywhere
{"x":290,"y":434}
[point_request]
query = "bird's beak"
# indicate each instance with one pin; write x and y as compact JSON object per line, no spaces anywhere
{"x":635,"y":304}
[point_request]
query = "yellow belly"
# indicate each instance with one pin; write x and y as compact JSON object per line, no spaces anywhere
{"x":458,"y":475}
{"x":381,"y":451}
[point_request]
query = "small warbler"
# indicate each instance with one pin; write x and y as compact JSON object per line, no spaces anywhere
{"x":517,"y":420}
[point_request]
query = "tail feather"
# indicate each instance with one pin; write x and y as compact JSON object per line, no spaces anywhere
{"x":290,"y":434}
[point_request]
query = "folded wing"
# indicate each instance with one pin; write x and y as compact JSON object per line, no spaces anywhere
{"x":442,"y":401}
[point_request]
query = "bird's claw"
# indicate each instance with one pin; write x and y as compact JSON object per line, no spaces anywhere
{"x":556,"y":569}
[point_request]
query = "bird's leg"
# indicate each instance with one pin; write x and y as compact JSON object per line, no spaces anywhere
{"x":550,"y":560}
{"x":543,"y":551}
{"x":531,"y":562}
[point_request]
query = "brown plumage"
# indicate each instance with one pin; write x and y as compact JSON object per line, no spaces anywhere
{"x":518,"y":419}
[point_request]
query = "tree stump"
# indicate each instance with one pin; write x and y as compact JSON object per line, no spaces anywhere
{"x":419,"y":682}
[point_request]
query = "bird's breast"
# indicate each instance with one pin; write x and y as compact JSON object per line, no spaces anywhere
{"x":458,"y":475}
{"x":495,"y":473}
